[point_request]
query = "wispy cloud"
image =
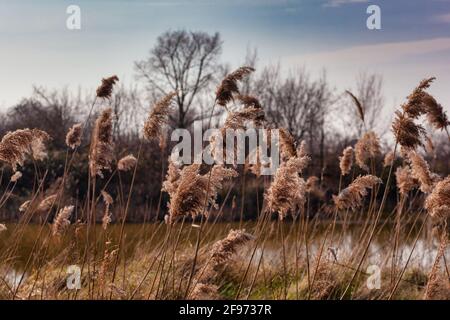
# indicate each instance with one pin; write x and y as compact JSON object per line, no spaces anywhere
{"x":338,"y":3}
{"x":379,"y":53}
{"x":442,"y":18}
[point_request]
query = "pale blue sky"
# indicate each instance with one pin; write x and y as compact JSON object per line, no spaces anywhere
{"x":37,"y":48}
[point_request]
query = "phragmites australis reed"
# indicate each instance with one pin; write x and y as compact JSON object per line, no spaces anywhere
{"x":438,"y":202}
{"x":406,"y":132}
{"x":222,"y":251}
{"x":62,"y":220}
{"x":421,"y":171}
{"x":3,"y":227}
{"x":313,"y":187}
{"x":14,"y":146}
{"x":352,"y":197}
{"x":438,"y":286}
{"x":235,"y":121}
{"x":405,"y":180}
{"x":287,"y":144}
{"x":415,"y":106}
{"x":170,"y":184}
{"x":16,"y":176}
{"x":346,"y":161}
{"x":358,"y":105}
{"x":157,"y":117}
{"x":249,"y":101}
{"x":126,"y":163}
{"x":24,"y":206}
{"x":109,"y":256}
{"x":108,"y":201}
{"x":429,"y":146}
{"x":45,"y":205}
{"x":287,"y":191}
{"x":388,"y":159}
{"x":420,"y":102}
{"x":436,"y":115}
{"x":101,"y":153}
{"x":256,"y":161}
{"x":228,"y":86}
{"x":367,"y":147}
{"x":105,"y":89}
{"x":73,"y":137}
{"x":194,"y":190}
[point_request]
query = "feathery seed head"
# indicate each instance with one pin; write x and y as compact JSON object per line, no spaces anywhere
{"x":105,"y":89}
{"x":73,"y":137}
{"x":228,"y":86}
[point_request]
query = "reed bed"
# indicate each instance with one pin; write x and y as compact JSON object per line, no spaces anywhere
{"x":292,"y":251}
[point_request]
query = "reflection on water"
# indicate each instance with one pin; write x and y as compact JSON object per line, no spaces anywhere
{"x":146,"y":237}
{"x":13,"y":277}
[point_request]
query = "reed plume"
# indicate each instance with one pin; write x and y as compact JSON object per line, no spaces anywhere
{"x":352,"y":197}
{"x":15,"y":146}
{"x":157,"y":117}
{"x":194,"y":190}
{"x":228,"y":86}
{"x":73,"y":137}
{"x":367,"y":147}
{"x":438,"y":202}
{"x":313,"y":187}
{"x":222,"y":251}
{"x":255,"y":162}
{"x":438,"y":287}
{"x":108,"y":201}
{"x":249,"y":101}
{"x":302,"y":149}
{"x":436,"y":115}
{"x":109,"y":257}
{"x":421,"y":171}
{"x":287,"y":144}
{"x":406,"y":132}
{"x":127,"y":163}
{"x":170,"y":184}
{"x":105,"y":89}
{"x":415,"y":105}
{"x":16,"y":176}
{"x":237,"y":120}
{"x":429,"y":146}
{"x":24,"y":206}
{"x":389,"y":159}
{"x":346,"y":161}
{"x":405,"y":180}
{"x":101,"y":153}
{"x":420,"y":102}
{"x":45,"y":204}
{"x":358,"y":105}
{"x":62,"y":220}
{"x":287,"y":191}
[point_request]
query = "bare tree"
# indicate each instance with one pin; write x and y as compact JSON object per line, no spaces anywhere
{"x":184,"y":62}
{"x":295,"y":102}
{"x":51,"y":110}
